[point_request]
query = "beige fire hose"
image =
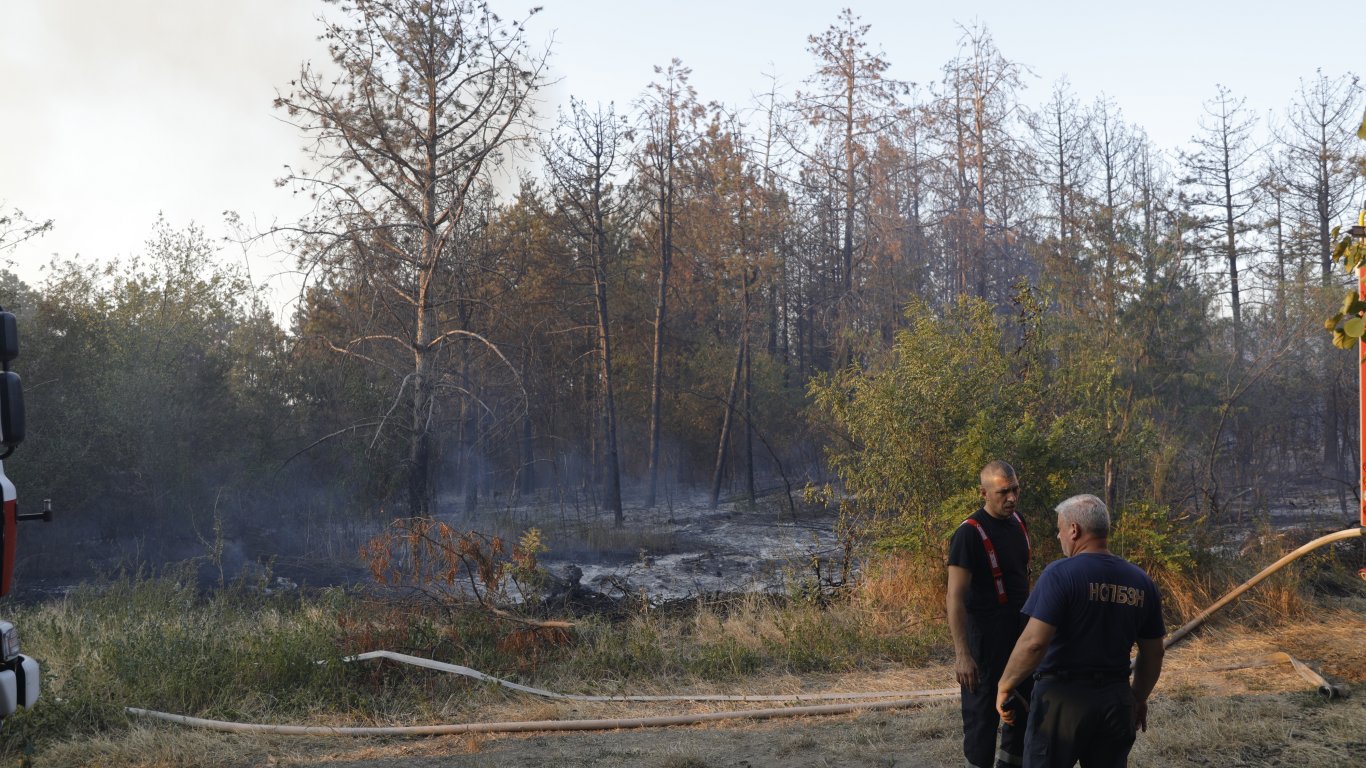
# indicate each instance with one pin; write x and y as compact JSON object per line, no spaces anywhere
{"x":1326,"y":689}
{"x":906,"y":698}
{"x":541,"y":725}
{"x":1178,"y":635}
{"x":456,"y":669}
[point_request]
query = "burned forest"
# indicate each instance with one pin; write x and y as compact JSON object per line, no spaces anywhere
{"x":842,"y":297}
{"x":585,"y":414}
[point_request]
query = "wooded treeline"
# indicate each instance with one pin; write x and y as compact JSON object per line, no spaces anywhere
{"x":642,"y":316}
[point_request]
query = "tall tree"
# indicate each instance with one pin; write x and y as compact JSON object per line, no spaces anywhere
{"x":1320,"y":177}
{"x":1112,"y":144}
{"x":669,"y":113}
{"x":1060,"y":131}
{"x":850,"y":102}
{"x":973,"y":115}
{"x":730,"y":244}
{"x":427,"y":97}
{"x":1224,"y":175}
{"x":582,"y":158}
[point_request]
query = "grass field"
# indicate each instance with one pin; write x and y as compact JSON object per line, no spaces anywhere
{"x":241,"y":654}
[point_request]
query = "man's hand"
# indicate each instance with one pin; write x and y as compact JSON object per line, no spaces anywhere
{"x":1147,"y":668}
{"x":965,"y":670}
{"x":964,"y":666}
{"x":1007,"y":713}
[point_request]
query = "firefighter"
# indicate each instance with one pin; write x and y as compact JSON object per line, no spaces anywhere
{"x":988,"y":575}
{"x":1085,"y":615}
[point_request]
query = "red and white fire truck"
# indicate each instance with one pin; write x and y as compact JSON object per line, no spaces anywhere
{"x":18,"y":673}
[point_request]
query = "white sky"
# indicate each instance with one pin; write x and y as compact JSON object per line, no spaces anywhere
{"x":112,"y":111}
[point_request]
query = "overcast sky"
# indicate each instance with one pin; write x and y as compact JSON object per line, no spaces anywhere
{"x":112,"y":111}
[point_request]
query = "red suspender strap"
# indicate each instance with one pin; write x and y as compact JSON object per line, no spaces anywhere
{"x":997,"y":574}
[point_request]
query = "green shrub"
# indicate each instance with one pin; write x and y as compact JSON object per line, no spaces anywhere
{"x":910,"y":430}
{"x":1145,"y":533}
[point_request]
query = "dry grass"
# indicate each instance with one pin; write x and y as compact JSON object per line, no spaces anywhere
{"x":150,"y":746}
{"x":747,"y":621}
{"x":752,"y":644}
{"x":898,"y":592}
{"x":1255,"y":717}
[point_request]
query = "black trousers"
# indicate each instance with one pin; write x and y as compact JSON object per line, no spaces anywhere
{"x":991,"y":638}
{"x":1087,"y":721}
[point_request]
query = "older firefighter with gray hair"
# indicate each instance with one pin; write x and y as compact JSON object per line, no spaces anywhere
{"x":1085,"y":614}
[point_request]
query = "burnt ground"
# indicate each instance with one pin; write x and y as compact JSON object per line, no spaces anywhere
{"x":707,"y":551}
{"x":1200,"y":717}
{"x":679,"y":549}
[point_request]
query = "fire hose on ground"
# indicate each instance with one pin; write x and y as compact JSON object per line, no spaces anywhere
{"x":853,"y":702}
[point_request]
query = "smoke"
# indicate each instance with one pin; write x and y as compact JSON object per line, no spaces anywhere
{"x":119,"y":111}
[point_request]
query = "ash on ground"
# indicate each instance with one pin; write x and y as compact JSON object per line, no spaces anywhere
{"x":694,"y":550}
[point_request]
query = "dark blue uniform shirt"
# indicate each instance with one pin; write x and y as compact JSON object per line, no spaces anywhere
{"x":1099,"y":604}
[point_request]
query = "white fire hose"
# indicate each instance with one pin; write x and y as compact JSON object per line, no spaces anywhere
{"x":865,"y":701}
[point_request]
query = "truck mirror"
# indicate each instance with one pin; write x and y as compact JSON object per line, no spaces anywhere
{"x":9,"y":337}
{"x":11,"y":410}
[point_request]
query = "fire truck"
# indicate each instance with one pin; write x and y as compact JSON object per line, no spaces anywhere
{"x":19,"y":674}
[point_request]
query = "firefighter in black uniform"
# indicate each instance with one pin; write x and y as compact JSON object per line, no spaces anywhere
{"x":988,"y":582}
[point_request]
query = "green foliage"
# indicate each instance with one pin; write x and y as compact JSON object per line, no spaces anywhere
{"x":150,"y":384}
{"x":898,"y":460}
{"x":1348,"y":324}
{"x":956,"y":391}
{"x":1145,"y":533}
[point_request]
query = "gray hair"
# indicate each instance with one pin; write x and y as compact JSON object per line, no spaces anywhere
{"x":1088,"y":512}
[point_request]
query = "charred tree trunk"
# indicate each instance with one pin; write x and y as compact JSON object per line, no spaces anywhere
{"x":1231,"y":254}
{"x":526,"y":479}
{"x":419,"y":450}
{"x":748,"y":391}
{"x":657,"y":353}
{"x":723,"y":446}
{"x":1111,"y":483}
{"x":611,"y":481}
{"x":469,"y":449}
{"x":657,"y":365}
{"x":749,"y":426}
{"x":526,"y":485}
